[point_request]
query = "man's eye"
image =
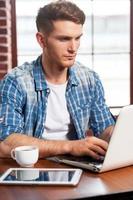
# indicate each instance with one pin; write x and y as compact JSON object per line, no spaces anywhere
{"x":78,"y":38}
{"x":64,"y":39}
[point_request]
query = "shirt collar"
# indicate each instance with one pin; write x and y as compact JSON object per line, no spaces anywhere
{"x":39,"y":75}
{"x":72,"y":76}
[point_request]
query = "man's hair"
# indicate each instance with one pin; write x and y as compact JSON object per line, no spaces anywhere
{"x":58,"y":10}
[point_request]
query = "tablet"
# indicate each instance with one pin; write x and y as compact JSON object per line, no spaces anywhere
{"x":41,"y":176}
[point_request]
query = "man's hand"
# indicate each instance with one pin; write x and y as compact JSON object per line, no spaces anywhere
{"x":90,"y":146}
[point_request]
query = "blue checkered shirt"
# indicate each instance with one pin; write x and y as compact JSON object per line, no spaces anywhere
{"x":24,"y":94}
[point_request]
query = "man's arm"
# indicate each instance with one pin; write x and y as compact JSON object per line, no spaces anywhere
{"x":46,"y":148}
{"x":90,"y":146}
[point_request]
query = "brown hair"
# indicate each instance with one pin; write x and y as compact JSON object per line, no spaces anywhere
{"x":58,"y":10}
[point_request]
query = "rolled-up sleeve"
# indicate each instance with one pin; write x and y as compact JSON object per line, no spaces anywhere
{"x":11,"y":103}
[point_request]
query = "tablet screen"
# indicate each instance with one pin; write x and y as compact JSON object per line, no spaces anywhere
{"x":39,"y":175}
{"x":44,"y":176}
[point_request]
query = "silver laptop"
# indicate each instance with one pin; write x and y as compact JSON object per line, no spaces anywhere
{"x":120,"y":149}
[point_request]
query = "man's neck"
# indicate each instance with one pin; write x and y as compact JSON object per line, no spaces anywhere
{"x":55,"y":74}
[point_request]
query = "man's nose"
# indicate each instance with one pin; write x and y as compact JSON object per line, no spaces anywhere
{"x":72,"y":46}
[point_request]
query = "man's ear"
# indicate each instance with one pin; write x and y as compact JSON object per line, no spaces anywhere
{"x":40,"y":39}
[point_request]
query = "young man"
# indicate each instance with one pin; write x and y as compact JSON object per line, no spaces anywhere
{"x":54,"y":101}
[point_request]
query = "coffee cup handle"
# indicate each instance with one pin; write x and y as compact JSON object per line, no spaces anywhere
{"x":13,"y":154}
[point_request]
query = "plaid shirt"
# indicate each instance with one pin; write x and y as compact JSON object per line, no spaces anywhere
{"x":24,"y":94}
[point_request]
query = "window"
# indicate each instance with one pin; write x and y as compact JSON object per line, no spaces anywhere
{"x":105,"y":45}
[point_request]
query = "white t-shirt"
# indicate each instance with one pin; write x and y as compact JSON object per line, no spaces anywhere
{"x":58,"y":123}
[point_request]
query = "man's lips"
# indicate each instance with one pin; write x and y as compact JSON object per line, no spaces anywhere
{"x":70,"y":57}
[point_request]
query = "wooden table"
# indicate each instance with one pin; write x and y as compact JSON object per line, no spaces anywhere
{"x":116,"y":184}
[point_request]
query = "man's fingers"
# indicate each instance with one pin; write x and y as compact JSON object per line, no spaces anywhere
{"x":98,"y":150}
{"x":101,"y":143}
{"x":93,"y":154}
{"x":98,"y":142}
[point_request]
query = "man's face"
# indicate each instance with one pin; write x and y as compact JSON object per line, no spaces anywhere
{"x":62,"y":44}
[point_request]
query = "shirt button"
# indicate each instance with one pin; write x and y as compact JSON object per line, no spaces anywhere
{"x":48,"y":90}
{"x":1,"y":119}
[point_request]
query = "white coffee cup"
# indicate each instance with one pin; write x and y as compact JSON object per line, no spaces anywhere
{"x":26,"y":156}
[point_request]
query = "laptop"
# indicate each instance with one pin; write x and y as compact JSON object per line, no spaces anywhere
{"x":120,"y":150}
